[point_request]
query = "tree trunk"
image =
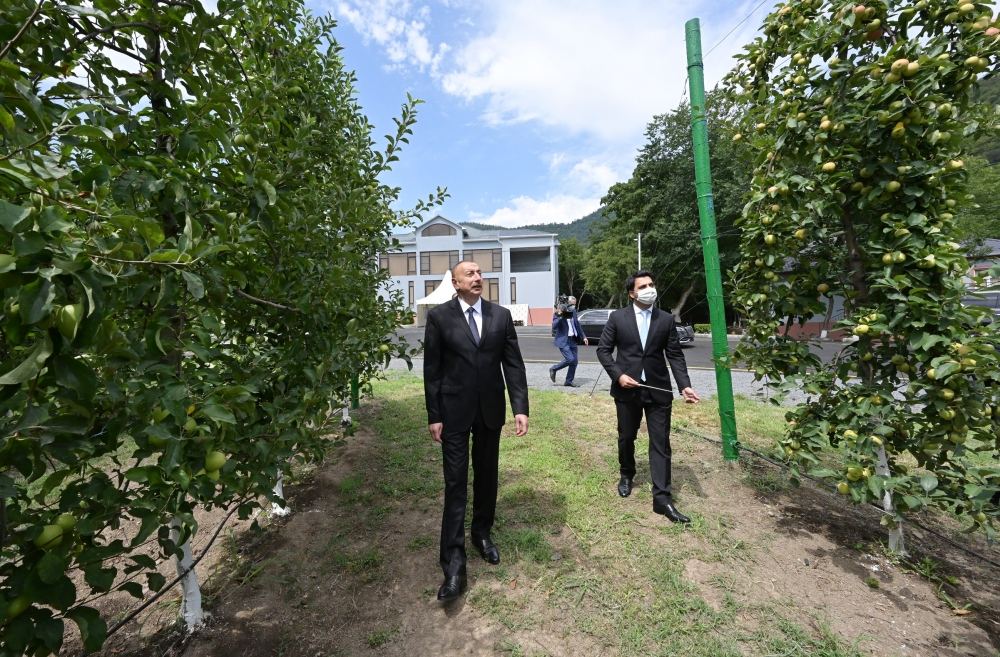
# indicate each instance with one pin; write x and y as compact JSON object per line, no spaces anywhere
{"x":191,"y":610}
{"x":856,"y":267}
{"x":280,"y":510}
{"x":679,"y":306}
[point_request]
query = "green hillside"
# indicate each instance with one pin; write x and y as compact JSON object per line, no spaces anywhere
{"x":579,"y":229}
{"x":989,"y":145}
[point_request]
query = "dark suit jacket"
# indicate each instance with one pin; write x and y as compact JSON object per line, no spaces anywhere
{"x":662,"y":346}
{"x":461,"y":378}
{"x":560,"y":328}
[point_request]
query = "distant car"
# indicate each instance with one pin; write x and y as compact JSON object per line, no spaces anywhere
{"x":592,"y":322}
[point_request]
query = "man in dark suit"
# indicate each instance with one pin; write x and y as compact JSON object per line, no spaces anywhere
{"x":470,"y":351}
{"x":567,"y":333}
{"x":646,"y":340}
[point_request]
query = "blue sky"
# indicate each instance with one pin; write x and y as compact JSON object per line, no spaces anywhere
{"x":533,"y":108}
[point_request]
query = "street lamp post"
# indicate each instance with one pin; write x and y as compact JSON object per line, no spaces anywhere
{"x":639,"y":240}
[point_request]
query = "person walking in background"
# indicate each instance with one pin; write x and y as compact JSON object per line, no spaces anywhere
{"x":568,"y":334}
{"x":645,"y":338}
{"x":470,"y":351}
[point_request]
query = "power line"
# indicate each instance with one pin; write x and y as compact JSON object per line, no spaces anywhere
{"x":735,"y":27}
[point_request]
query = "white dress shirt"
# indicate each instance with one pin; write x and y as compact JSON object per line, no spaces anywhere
{"x":477,"y":313}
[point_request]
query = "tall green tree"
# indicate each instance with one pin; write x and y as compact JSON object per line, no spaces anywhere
{"x":859,"y":116}
{"x":979,"y":217}
{"x":572,"y":258}
{"x":610,"y":259}
{"x":190,"y":214}
{"x":659,"y":199}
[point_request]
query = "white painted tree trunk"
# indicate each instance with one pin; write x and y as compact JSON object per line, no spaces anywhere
{"x":896,"y":543}
{"x":279,"y":490}
{"x":192,"y":613}
{"x":345,"y":415}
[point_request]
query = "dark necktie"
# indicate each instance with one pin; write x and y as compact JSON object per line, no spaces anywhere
{"x":471,"y":312}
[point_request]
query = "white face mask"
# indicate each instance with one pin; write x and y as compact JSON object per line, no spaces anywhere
{"x":646,"y":295}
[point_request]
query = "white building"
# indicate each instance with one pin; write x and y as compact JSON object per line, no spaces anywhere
{"x":520,"y":267}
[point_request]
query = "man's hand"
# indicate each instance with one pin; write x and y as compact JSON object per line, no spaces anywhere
{"x":520,"y":425}
{"x":690,"y":396}
{"x":626,"y":381}
{"x":435,"y":428}
{"x":586,"y":342}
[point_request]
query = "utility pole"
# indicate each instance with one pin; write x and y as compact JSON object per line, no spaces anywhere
{"x":710,"y":241}
{"x":639,"y":240}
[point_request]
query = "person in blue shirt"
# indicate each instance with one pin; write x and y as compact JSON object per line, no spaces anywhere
{"x":568,"y":334}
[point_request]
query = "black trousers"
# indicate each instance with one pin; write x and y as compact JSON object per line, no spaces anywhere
{"x":485,"y":464}
{"x":658,"y":425}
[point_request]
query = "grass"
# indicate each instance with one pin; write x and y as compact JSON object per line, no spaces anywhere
{"x":381,"y":637}
{"x":573,"y":557}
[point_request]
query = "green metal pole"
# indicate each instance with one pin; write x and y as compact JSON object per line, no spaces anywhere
{"x":710,"y":241}
{"x":355,"y":390}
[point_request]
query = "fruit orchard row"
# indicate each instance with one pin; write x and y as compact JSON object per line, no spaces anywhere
{"x":188,"y":234}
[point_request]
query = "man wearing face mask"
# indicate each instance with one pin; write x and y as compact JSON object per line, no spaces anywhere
{"x":645,"y":338}
{"x":567,"y":333}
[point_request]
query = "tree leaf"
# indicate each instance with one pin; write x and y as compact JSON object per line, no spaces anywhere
{"x":93,"y":629}
{"x":134,"y":589}
{"x":31,"y":366}
{"x":195,"y":285}
{"x":51,"y":567}
{"x":36,"y":300}
{"x":155,"y":580}
{"x":60,"y":593}
{"x":11,"y":215}
{"x":98,"y":578}
{"x":928,"y":482}
{"x":49,"y":631}
{"x":218,"y":413}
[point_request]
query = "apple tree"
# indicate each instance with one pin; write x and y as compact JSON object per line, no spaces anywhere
{"x":858,"y":115}
{"x":190,"y":212}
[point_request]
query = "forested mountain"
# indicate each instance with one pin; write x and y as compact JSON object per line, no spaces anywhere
{"x":579,"y":229}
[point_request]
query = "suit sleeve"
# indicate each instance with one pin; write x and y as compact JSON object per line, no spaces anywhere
{"x":609,"y":338}
{"x":513,"y":370}
{"x":432,"y":369}
{"x":675,"y":356}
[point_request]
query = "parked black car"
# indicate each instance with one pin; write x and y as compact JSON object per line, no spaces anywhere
{"x":592,"y":322}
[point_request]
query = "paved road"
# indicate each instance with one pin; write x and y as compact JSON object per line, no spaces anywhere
{"x":536,"y":347}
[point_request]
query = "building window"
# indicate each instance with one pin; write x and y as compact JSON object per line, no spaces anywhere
{"x":399,"y":264}
{"x":429,"y":287}
{"x":410,"y":295}
{"x":489,"y":260}
{"x":513,"y":290}
{"x":437,"y":262}
{"x":491,"y":289}
{"x":527,"y":260}
{"x":438,"y":230}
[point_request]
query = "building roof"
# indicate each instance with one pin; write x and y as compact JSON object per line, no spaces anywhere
{"x":991,"y":247}
{"x":474,"y":233}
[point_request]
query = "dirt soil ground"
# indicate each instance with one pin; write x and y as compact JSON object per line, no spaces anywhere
{"x":323,"y":583}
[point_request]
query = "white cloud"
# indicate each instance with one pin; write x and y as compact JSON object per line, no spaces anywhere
{"x":523,"y":210}
{"x":587,"y":67}
{"x":398,"y":27}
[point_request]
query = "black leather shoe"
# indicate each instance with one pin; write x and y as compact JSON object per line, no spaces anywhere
{"x":552,"y":375}
{"x":453,"y":586}
{"x":672,"y":514}
{"x":487,"y":549}
{"x":572,"y":385}
{"x":625,"y":486}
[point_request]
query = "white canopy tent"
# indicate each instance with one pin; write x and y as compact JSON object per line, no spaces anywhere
{"x":443,"y":293}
